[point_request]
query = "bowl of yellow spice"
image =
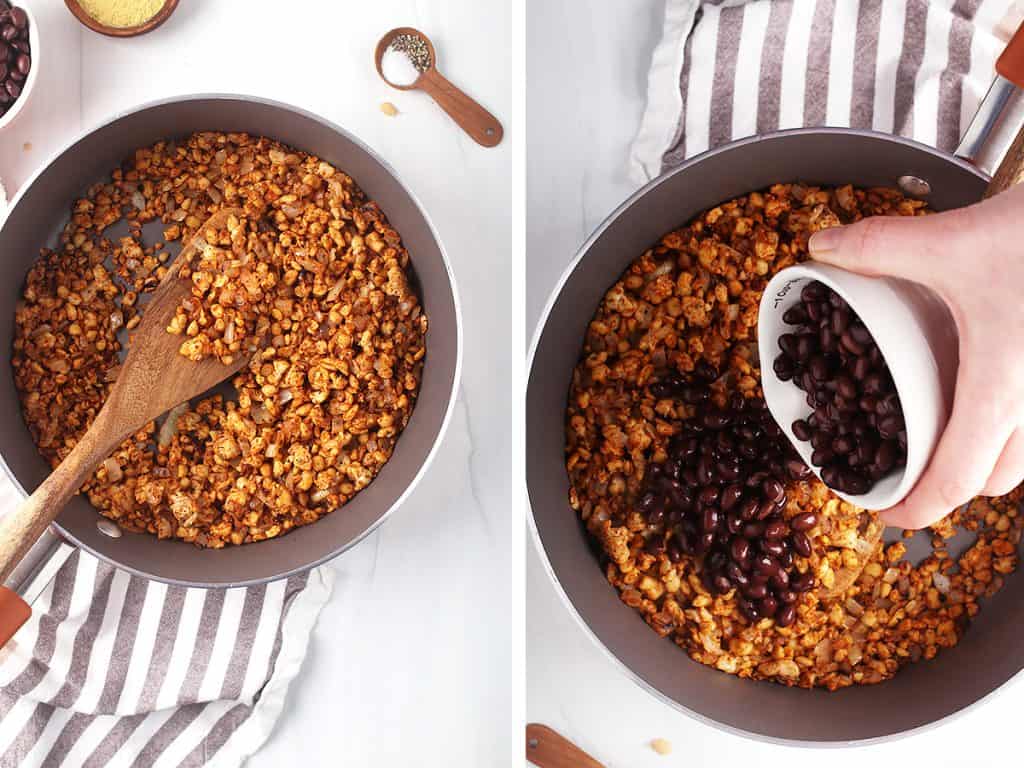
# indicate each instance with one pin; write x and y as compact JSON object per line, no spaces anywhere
{"x":122,"y":18}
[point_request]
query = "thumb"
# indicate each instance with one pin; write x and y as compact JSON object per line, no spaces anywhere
{"x":911,"y":247}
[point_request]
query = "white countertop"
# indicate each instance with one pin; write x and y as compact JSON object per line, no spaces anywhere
{"x":417,"y":659}
{"x":578,"y":139}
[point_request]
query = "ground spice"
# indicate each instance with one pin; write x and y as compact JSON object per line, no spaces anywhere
{"x":122,"y":13}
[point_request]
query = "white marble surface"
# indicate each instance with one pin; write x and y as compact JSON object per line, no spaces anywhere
{"x":578,"y":138}
{"x":417,"y":659}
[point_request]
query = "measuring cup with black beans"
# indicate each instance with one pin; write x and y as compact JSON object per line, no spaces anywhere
{"x":15,"y":54}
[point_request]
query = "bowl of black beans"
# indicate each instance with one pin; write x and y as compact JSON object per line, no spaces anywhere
{"x":19,"y":53}
{"x":858,"y":372}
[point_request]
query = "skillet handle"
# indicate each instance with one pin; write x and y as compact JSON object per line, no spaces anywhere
{"x":547,"y":748}
{"x":13,"y":613}
{"x":1010,"y":65}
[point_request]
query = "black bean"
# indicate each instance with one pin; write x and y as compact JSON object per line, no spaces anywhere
{"x":19,"y":18}
{"x":840,"y":321}
{"x":819,"y":367}
{"x":674,"y":550}
{"x":822,"y":456}
{"x":889,"y":426}
{"x":856,"y":484}
{"x":783,"y":368}
{"x":766,"y":564}
{"x":885,"y":458}
{"x":814,"y":291}
{"x":820,"y":440}
{"x":801,"y":543}
{"x":795,"y":315}
{"x":802,"y":583}
{"x":773,"y":489}
{"x":787,"y":343}
{"x":767,"y":508}
{"x":861,"y":368}
{"x":797,"y":469}
{"x":801,"y":429}
{"x":773,"y":548}
{"x":739,"y":548}
{"x":748,"y":510}
{"x":806,"y":345}
{"x":768,"y":605}
{"x":775,"y":529}
{"x":873,"y":383}
{"x":694,"y":395}
{"x":843,"y":444}
{"x":827,"y":339}
{"x":786,"y":615}
{"x":710,"y":519}
{"x":804,"y":521}
{"x":716,"y":419}
{"x":756,"y":591}
{"x":850,"y":344}
{"x":787,"y":596}
{"x":830,"y":475}
{"x":861,"y":334}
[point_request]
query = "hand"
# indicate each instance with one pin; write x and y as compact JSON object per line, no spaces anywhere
{"x":972,"y":259}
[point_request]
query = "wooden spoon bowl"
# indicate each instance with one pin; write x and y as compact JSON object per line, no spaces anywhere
{"x":154,"y":378}
{"x":147,"y":26}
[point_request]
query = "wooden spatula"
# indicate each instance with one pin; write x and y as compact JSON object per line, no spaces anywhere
{"x":154,"y":378}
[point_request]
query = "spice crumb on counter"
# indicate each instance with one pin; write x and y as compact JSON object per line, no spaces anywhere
{"x":661,"y":746}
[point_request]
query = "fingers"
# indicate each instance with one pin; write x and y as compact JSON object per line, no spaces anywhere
{"x":1009,"y":470}
{"x":969,"y":448}
{"x":899,"y":246}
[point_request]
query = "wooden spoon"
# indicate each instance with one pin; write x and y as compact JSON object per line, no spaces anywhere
{"x":155,"y":377}
{"x":547,"y":748}
{"x":481,"y":125}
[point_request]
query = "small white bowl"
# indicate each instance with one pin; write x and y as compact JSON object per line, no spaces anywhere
{"x":30,"y":81}
{"x":916,"y":335}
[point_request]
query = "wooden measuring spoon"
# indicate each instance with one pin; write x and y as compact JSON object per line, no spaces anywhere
{"x":547,"y":748}
{"x":481,"y":125}
{"x":155,"y":377}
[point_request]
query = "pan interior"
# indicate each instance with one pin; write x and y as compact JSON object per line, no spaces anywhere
{"x":43,"y":210}
{"x":989,"y":654}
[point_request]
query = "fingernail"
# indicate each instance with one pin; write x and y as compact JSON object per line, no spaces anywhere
{"x":824,"y":240}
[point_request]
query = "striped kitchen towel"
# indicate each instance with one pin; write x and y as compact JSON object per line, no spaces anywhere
{"x":727,"y":70}
{"x":116,"y":670}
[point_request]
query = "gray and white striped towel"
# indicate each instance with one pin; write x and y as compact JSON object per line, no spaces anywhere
{"x":732,"y":69}
{"x":116,"y":670}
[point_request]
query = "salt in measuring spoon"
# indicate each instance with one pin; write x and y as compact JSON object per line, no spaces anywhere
{"x":481,"y":125}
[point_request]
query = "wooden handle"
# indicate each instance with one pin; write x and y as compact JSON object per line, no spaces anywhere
{"x":1011,"y":66}
{"x":13,"y":613}
{"x":481,"y":125}
{"x":548,"y":749}
{"x":21,"y":527}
